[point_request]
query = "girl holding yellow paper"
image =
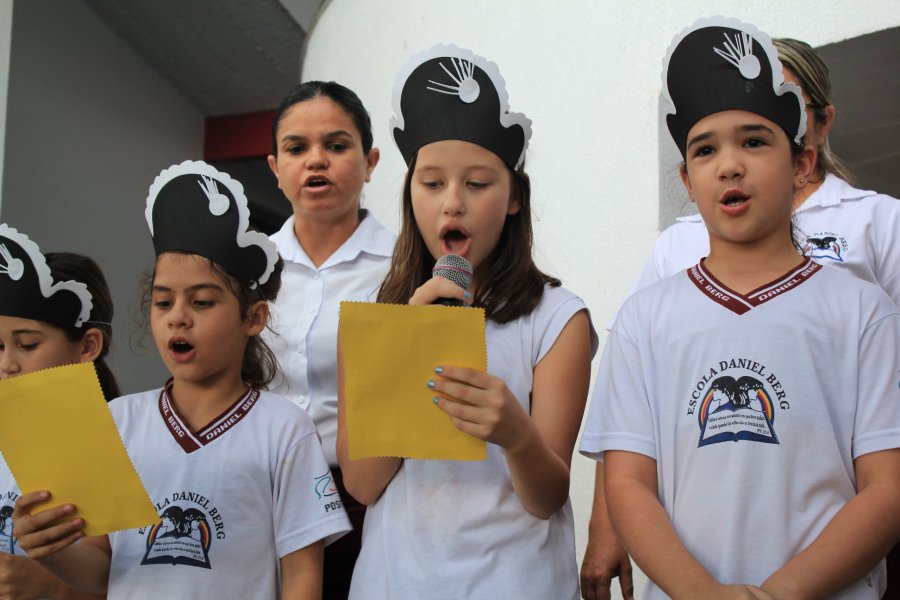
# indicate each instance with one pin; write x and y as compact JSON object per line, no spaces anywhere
{"x":457,"y":529}
{"x":237,"y":473}
{"x":54,"y":310}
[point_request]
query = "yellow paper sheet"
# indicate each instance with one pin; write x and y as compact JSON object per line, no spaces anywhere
{"x":390,"y":352}
{"x":57,"y":434}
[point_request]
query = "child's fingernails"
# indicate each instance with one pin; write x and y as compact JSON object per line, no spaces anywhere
{"x":439,"y":370}
{"x":435,"y":399}
{"x":431,"y":383}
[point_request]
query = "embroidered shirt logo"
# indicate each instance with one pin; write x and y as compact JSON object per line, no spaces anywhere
{"x":183,"y":536}
{"x":739,"y":405}
{"x":327,"y":491}
{"x":7,"y":541}
{"x":825,"y":245}
{"x":325,"y":486}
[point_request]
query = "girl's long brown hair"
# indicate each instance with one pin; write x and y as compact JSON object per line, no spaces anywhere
{"x":509,"y":284}
{"x":68,"y":265}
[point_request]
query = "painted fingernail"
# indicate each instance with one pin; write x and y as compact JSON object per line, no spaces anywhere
{"x":468,"y":295}
{"x":435,"y":399}
{"x":431,"y":383}
{"x":439,"y":370}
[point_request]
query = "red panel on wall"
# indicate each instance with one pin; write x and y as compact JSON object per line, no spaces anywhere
{"x":238,"y":136}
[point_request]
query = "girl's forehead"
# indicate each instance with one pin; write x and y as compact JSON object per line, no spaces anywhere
{"x":457,"y":153}
{"x":10,"y":324}
{"x":731,"y":120}
{"x":183,"y":268}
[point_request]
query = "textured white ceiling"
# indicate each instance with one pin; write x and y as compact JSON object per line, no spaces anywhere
{"x":225,"y":56}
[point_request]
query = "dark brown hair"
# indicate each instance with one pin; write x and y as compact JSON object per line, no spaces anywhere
{"x":259,"y":365}
{"x":340,"y":95}
{"x":66,"y":266}
{"x":509,"y":285}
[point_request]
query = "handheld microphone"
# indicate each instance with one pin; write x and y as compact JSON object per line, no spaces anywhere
{"x":458,"y":270}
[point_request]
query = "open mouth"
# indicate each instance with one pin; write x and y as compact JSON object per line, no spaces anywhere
{"x":454,"y":241}
{"x":733,"y":198}
{"x":316,"y":182}
{"x":180,"y":347}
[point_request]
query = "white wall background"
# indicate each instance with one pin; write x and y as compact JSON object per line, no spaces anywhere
{"x":587,"y":72}
{"x":89,"y":125}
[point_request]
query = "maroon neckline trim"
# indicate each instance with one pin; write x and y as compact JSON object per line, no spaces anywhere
{"x":191,"y":441}
{"x":742,"y":303}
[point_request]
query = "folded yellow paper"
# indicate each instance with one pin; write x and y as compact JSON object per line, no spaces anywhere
{"x":389,"y":354}
{"x":57,"y":434}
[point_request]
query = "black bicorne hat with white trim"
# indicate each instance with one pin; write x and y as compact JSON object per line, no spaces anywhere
{"x":721,"y":64}
{"x":27,"y":289}
{"x":194,"y":208}
{"x":449,"y":93}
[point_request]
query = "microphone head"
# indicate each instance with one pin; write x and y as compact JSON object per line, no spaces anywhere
{"x":455,"y":268}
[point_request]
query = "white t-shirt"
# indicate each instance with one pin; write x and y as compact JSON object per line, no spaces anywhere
{"x":250,"y":488}
{"x":840,"y":225}
{"x":754,"y":408}
{"x":456,"y":529}
{"x":9,"y":492}
{"x":305,"y":317}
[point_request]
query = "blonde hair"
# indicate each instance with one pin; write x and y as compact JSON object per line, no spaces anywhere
{"x":815,"y":79}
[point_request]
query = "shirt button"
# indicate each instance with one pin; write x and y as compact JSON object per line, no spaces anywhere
{"x":317,"y":275}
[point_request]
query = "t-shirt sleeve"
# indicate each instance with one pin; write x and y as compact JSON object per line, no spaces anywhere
{"x":877,"y":424}
{"x":620,"y":415}
{"x":549,"y":325}
{"x":307,"y":505}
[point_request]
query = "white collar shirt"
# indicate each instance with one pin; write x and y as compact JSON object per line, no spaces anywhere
{"x":304,"y":317}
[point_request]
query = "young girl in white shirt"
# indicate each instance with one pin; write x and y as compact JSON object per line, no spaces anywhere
{"x":501,"y":528}
{"x":55,"y":309}
{"x":236,"y":473}
{"x":747,"y":409}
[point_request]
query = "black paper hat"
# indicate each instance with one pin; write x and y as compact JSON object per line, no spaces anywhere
{"x":449,"y":93}
{"x":721,"y":64}
{"x":194,"y":208}
{"x":27,"y":289}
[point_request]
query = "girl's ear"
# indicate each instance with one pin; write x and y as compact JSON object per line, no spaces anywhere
{"x":804,"y":164}
{"x":256,"y":318}
{"x":515,"y":202}
{"x":514,"y":205}
{"x":686,"y":180}
{"x":91,"y":345}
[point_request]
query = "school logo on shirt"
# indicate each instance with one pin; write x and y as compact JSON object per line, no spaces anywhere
{"x":734,"y":401}
{"x":327,"y":491}
{"x":7,"y":541}
{"x":825,"y":244}
{"x":187,"y":525}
